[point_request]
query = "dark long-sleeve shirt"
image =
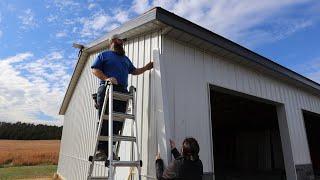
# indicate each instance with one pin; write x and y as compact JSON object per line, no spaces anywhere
{"x":180,"y":168}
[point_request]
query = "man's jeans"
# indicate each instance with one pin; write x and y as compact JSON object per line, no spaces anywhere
{"x":118,"y":106}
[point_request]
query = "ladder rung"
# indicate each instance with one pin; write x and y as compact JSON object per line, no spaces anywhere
{"x":98,"y":177}
{"x":106,"y":117}
{"x":122,"y":96}
{"x":119,"y":116}
{"x":127,"y":163}
{"x":118,"y":138}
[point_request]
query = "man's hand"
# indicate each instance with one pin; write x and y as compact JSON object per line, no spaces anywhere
{"x":158,"y":156}
{"x":149,"y":65}
{"x":143,"y":69}
{"x":112,"y":80}
{"x":172,"y":144}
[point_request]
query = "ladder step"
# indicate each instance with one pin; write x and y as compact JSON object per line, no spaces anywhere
{"x":98,"y":177}
{"x":118,"y":138}
{"x":127,"y":163}
{"x":122,"y":96}
{"x":119,"y":116}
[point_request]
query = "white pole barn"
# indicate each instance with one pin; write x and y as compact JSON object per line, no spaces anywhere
{"x":247,"y":112}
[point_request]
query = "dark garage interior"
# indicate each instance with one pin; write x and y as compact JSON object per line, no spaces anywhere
{"x":246,"y":139}
{"x":312,"y":124}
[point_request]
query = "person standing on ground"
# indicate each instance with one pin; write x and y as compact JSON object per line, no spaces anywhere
{"x":113,"y":66}
{"x":187,"y":166}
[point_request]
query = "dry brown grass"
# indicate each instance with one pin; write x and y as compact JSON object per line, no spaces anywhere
{"x":28,"y":152}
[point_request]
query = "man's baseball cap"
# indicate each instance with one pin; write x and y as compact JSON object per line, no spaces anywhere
{"x":115,"y":36}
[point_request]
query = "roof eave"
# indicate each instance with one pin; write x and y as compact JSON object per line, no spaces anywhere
{"x":245,"y":54}
{"x":159,"y":14}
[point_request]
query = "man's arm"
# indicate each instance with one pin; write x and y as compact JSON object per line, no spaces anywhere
{"x":143,"y":69}
{"x":99,"y":74}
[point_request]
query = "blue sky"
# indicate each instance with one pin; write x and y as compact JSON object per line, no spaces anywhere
{"x":37,"y":58}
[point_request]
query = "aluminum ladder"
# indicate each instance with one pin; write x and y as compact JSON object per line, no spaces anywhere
{"x":110,"y":95}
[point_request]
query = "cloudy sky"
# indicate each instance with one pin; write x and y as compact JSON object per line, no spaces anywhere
{"x":37,"y":58}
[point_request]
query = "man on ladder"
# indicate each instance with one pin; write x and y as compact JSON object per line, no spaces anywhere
{"x":113,"y":66}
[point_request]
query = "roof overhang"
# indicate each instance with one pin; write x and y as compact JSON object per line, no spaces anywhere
{"x":184,"y":30}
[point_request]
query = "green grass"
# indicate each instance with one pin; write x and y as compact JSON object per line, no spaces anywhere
{"x":27,"y":172}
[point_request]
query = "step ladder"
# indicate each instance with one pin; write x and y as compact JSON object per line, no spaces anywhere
{"x":111,"y":95}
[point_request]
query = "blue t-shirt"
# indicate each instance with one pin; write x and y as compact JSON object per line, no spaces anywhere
{"x":114,"y":65}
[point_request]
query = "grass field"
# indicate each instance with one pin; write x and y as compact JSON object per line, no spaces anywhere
{"x":28,"y":172}
{"x":28,"y":152}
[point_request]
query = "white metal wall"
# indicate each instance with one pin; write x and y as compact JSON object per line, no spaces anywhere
{"x":190,"y":69}
{"x":81,"y":117}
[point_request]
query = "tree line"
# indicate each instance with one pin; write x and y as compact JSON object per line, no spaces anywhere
{"x":25,"y":131}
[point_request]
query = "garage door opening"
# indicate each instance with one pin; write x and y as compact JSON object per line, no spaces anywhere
{"x":312,"y":124}
{"x":246,"y":139}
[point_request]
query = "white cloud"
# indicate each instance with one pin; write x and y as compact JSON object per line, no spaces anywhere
{"x":52,"y":18}
{"x":140,"y":6}
{"x":100,"y":22}
{"x":278,"y":30}
{"x":30,"y":87}
{"x":237,"y":20}
{"x":121,"y":15}
{"x":27,"y":19}
{"x":93,"y":26}
{"x":66,"y":4}
{"x":69,"y":21}
{"x":61,"y":34}
{"x":54,"y":55}
{"x":290,"y":26}
{"x":91,"y":6}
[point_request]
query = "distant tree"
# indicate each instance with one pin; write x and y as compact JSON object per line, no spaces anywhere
{"x":26,"y":131}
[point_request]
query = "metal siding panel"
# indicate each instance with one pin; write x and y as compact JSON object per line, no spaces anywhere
{"x":145,"y":103}
{"x":180,"y":127}
{"x":153,"y":138}
{"x":257,"y":84}
{"x":201,"y":117}
{"x":140,"y":89}
{"x":189,"y":85}
{"x":219,"y":78}
{"x":169,"y":66}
